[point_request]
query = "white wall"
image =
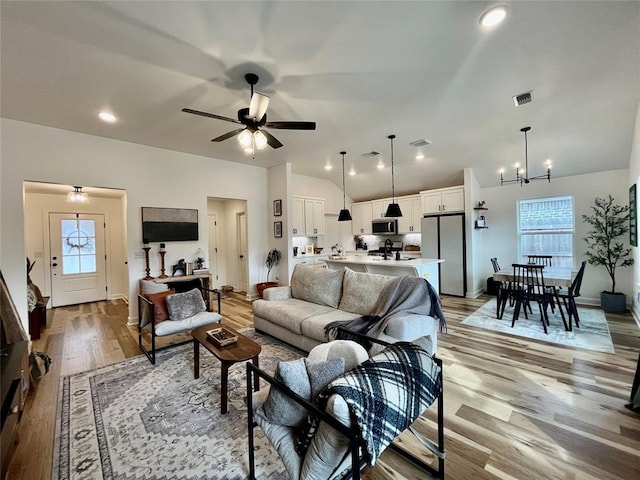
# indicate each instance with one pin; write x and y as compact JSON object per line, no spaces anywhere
{"x":500,"y":239}
{"x":152,"y":177}
{"x":634,"y":177}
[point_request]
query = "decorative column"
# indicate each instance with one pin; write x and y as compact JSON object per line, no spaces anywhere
{"x":146,"y":247}
{"x":162,"y":251}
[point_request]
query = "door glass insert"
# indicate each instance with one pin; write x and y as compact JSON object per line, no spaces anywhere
{"x":78,"y":246}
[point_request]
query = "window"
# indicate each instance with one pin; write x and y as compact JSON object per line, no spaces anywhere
{"x":546,"y":227}
{"x":79,"y":246}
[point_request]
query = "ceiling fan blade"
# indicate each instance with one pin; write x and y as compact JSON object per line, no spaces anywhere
{"x":292,"y":125}
{"x":271,"y":140}
{"x":230,"y":134}
{"x":258,"y":106}
{"x":210,"y":115}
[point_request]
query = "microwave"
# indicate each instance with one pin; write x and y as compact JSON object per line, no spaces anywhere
{"x":384,"y":227}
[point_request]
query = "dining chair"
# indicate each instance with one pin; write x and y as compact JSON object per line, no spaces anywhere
{"x":530,"y":279}
{"x":545,"y":260}
{"x":569,"y":298}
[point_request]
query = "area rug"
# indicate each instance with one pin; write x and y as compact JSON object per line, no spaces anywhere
{"x":593,"y":333}
{"x":133,"y":420}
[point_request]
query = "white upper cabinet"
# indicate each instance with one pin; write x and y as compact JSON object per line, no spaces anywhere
{"x":307,"y":216}
{"x":362,"y":215}
{"x":314,"y":216}
{"x":444,"y":200}
{"x":297,"y":216}
{"x":380,"y":207}
{"x":411,"y":207}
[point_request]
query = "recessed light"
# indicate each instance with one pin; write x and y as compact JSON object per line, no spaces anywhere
{"x":328,"y":166}
{"x":380,"y":165}
{"x":493,"y":16}
{"x":419,"y":156}
{"x":107,"y":117}
{"x":352,"y":172}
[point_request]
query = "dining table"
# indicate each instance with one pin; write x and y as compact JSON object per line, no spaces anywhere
{"x":553,"y":276}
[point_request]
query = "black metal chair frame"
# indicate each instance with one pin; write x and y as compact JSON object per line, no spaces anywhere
{"x":530,"y":287}
{"x":143,"y":303}
{"x":545,"y":260}
{"x":356,"y":443}
{"x":568,"y":298}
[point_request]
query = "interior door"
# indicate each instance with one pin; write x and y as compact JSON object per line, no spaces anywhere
{"x":213,"y":249}
{"x":243,"y":275}
{"x":78,"y":259}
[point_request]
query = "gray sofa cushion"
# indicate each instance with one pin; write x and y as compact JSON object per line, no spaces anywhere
{"x":288,"y":313}
{"x":313,"y":326}
{"x":279,"y":408}
{"x":321,"y":286}
{"x":360,"y":291}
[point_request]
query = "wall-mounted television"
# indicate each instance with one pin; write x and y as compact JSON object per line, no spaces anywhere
{"x":169,"y":224}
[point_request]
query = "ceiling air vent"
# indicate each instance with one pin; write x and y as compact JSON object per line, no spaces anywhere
{"x":420,"y":143}
{"x":371,"y":154}
{"x":522,"y":98}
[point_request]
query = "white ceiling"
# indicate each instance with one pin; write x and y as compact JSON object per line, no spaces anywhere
{"x":361,"y":70}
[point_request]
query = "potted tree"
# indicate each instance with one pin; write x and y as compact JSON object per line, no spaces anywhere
{"x":272,"y":259}
{"x":609,"y":222}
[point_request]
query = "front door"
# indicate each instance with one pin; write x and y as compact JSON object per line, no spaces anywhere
{"x":78,"y":260}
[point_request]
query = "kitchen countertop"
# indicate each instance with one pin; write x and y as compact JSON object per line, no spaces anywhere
{"x":380,"y":261}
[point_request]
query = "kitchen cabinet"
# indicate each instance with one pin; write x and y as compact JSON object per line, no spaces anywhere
{"x":297,"y":216}
{"x":307,"y":216}
{"x":314,"y":216}
{"x":380,"y":207}
{"x":411,"y":207}
{"x":443,"y":200}
{"x":362,"y":215}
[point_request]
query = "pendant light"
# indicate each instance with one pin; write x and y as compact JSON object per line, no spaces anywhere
{"x":345,"y":215}
{"x":393,"y":210}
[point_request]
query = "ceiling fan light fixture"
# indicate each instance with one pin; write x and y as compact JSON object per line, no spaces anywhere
{"x":393,"y":210}
{"x":245,"y":138}
{"x":260,"y":139}
{"x":344,"y":215}
{"x":77,"y":195}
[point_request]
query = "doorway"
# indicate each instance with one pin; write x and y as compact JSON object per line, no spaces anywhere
{"x":78,"y":259}
{"x":243,"y":266}
{"x":213,"y":249}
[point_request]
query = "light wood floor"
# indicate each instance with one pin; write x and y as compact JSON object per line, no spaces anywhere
{"x":514,"y":408}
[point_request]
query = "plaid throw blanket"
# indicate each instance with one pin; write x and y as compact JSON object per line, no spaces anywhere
{"x":387,"y":393}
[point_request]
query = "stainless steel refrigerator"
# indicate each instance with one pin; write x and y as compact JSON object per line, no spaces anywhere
{"x":443,"y":236}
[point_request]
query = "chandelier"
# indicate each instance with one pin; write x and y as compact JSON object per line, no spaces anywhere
{"x":522,"y":175}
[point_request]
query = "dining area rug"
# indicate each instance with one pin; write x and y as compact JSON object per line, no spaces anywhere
{"x":593,"y":333}
{"x":133,"y":420}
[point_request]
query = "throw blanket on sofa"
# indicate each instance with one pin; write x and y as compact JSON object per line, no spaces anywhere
{"x":387,"y":393}
{"x":406,"y":295}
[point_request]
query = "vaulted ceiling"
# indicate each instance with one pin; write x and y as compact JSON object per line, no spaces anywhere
{"x":360,"y":70}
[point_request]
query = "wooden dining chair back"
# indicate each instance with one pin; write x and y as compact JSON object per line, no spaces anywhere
{"x":495,"y":265}
{"x":569,"y":298}
{"x":545,"y":260}
{"x":531,"y":289}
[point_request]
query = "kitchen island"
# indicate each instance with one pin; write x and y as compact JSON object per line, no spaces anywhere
{"x":416,"y":267}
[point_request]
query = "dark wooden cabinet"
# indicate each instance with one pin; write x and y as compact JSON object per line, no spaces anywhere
{"x":15,"y":386}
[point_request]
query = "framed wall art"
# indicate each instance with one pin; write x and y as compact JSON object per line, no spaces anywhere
{"x":277,"y":208}
{"x":277,"y":229}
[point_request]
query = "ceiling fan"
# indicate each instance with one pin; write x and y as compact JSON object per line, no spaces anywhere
{"x":254,"y":119}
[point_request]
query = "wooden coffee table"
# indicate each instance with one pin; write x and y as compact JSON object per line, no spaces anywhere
{"x":240,"y":351}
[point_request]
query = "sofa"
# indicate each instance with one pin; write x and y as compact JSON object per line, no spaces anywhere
{"x":298,"y":313}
